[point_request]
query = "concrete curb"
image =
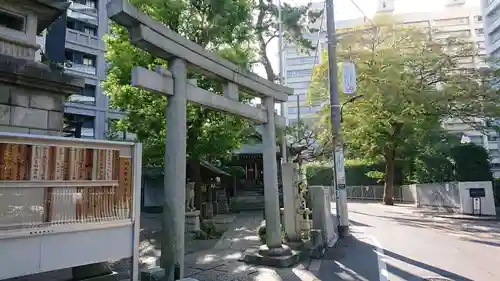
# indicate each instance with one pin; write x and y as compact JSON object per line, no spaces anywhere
{"x":458,"y":217}
{"x":484,"y":218}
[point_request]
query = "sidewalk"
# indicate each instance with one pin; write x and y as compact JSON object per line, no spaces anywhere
{"x":222,"y":263}
{"x":454,"y":216}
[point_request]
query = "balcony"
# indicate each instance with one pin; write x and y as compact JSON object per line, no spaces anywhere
{"x":82,"y":99}
{"x":75,"y":36}
{"x":84,"y":13}
{"x":87,"y":69}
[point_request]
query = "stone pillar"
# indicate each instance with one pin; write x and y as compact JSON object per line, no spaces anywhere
{"x":273,"y":228}
{"x":317,"y":194}
{"x":175,"y":174}
{"x":290,"y":204}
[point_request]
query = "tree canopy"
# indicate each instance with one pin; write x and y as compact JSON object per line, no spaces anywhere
{"x":411,"y":83}
{"x":210,"y":133}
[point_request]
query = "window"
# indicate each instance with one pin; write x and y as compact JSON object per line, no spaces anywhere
{"x":88,"y":61}
{"x":416,"y":23}
{"x":79,"y":126}
{"x":455,"y":34}
{"x":293,"y":98}
{"x":495,"y":36}
{"x":298,"y":85}
{"x":492,"y":138}
{"x":81,"y":26}
{"x":478,"y":18}
{"x":91,"y":3}
{"x":292,"y":110}
{"x":301,"y":60}
{"x":310,"y":109}
{"x":298,"y":73}
{"x":479,"y":31}
{"x":90,"y":31}
{"x":12,"y":21}
{"x":87,"y":96}
{"x":448,"y":22}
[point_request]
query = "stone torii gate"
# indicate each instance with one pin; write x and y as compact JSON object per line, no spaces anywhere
{"x":184,"y":55}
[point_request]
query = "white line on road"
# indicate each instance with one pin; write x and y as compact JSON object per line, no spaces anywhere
{"x":382,"y":268}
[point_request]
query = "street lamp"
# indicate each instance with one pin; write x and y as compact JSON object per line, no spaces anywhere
{"x":352,"y":99}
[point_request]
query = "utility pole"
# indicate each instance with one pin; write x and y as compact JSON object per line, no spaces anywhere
{"x":282,"y":79}
{"x":338,"y":155}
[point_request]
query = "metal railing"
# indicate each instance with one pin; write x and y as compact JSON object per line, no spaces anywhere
{"x":370,"y":192}
{"x":83,"y":68}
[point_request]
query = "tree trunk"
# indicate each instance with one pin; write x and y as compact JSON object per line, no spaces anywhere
{"x":198,"y":192}
{"x":389,"y":175}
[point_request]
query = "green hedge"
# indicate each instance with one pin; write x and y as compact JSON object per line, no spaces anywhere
{"x":355,"y":172}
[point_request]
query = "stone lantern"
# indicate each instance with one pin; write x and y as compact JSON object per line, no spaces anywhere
{"x":32,"y":94}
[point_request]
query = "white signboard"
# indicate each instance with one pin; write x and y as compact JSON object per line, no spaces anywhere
{"x":348,"y":78}
{"x":339,"y":159}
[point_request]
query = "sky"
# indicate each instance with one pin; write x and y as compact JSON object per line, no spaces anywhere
{"x":345,"y":9}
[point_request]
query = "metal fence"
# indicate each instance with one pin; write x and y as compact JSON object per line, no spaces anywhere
{"x":371,"y":192}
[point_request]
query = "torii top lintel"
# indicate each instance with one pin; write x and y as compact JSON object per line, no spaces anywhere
{"x":154,"y":37}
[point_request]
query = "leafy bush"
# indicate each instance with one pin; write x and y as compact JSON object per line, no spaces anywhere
{"x":471,"y":163}
{"x":356,"y":172}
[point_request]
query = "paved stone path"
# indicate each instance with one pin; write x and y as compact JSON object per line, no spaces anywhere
{"x":208,"y":260}
{"x":222,"y":262}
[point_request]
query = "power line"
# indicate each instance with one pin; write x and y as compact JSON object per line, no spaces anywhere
{"x":363,"y":13}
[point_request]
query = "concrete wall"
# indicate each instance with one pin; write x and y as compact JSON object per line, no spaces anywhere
{"x":30,"y":111}
{"x":438,"y":195}
{"x":487,"y":204}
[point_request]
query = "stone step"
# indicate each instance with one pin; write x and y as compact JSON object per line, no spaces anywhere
{"x":250,"y":203}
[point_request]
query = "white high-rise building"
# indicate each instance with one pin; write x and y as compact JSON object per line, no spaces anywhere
{"x":491,"y":15}
{"x":457,"y":18}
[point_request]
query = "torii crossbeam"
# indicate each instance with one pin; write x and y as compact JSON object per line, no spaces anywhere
{"x":182,"y":55}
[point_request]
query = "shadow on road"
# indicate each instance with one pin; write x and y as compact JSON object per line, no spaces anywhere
{"x":483,"y":232}
{"x":357,"y":259}
{"x":350,"y":259}
{"x":422,"y":265}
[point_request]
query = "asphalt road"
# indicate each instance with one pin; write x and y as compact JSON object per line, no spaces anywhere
{"x":395,"y":243}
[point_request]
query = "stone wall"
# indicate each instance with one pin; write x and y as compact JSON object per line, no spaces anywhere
{"x":30,"y":111}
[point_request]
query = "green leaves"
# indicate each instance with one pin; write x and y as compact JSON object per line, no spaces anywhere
{"x":411,"y":84}
{"x":221,"y":26}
